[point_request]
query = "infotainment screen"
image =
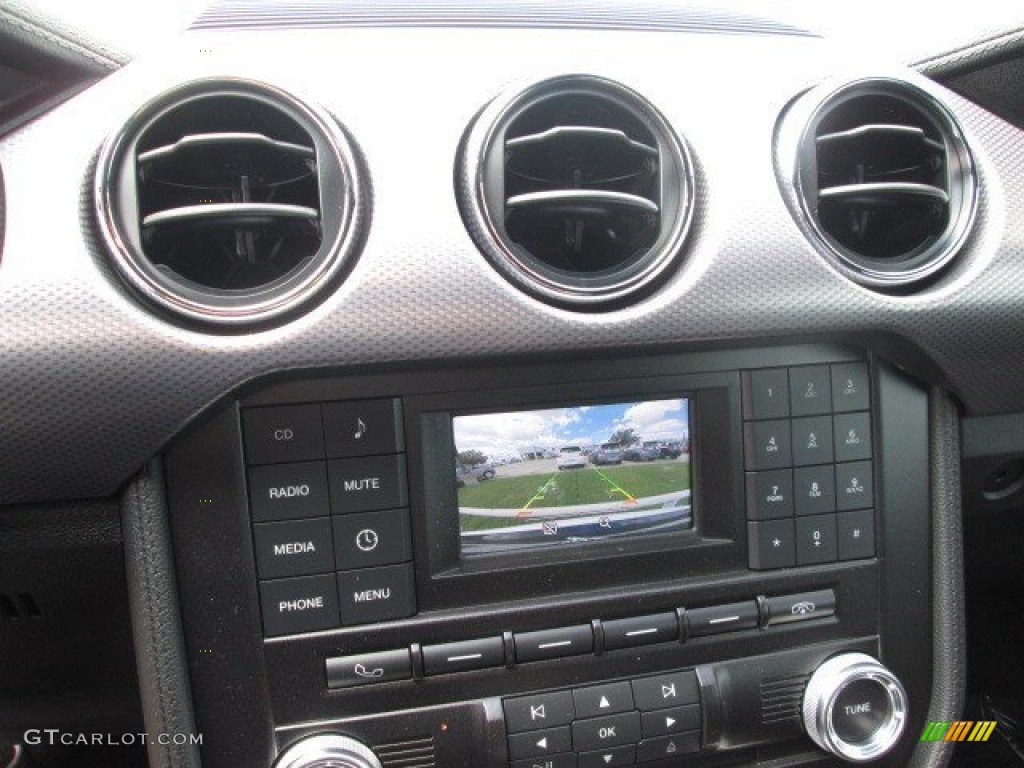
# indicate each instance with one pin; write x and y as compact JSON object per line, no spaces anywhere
{"x":547,"y":478}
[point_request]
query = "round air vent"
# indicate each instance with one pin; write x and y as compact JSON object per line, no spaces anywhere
{"x":229,"y":202}
{"x":882,"y":176}
{"x":577,"y":190}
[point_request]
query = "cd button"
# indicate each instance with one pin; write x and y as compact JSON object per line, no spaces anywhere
{"x":293,"y":548}
{"x":640,"y":630}
{"x":362,"y":485}
{"x":605,"y":699}
{"x":367,"y":539}
{"x":722,"y":618}
{"x":285,"y":433}
{"x":550,"y":741}
{"x":666,"y":747}
{"x":610,"y":731}
{"x":553,"y":643}
{"x":377,"y":594}
{"x":363,"y":428}
{"x":289,"y":491}
{"x":664,"y":691}
{"x":367,"y":668}
{"x":541,"y":710}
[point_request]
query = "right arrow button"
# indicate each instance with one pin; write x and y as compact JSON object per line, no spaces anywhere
{"x":665,"y":722}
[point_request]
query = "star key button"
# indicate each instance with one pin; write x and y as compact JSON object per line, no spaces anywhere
{"x":771,"y":544}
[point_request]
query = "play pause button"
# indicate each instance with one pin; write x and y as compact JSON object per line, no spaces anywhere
{"x":608,"y":758}
{"x":668,"y":721}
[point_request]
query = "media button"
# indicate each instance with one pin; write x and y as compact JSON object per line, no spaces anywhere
{"x":283,"y":433}
{"x":550,"y":741}
{"x":666,"y":747}
{"x":293,"y":548}
{"x":663,"y":691}
{"x":366,"y":484}
{"x":377,"y":594}
{"x":304,"y":604}
{"x":612,"y":757}
{"x":363,"y":428}
{"x":540,"y":710}
{"x":553,"y":643}
{"x":606,"y":699}
{"x":367,"y":539}
{"x":289,"y":491}
{"x":610,"y":731}
{"x":640,"y":630}
{"x":367,"y":668}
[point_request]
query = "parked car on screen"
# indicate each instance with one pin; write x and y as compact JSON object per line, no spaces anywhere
{"x":672,"y":450}
{"x":607,"y":453}
{"x":571,"y":457}
{"x":648,"y":451}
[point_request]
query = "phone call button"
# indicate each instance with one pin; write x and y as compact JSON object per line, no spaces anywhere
{"x":366,"y":668}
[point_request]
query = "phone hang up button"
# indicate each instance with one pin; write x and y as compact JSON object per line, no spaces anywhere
{"x":366,"y":668}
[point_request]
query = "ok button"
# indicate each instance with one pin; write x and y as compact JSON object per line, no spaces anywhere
{"x":610,"y":731}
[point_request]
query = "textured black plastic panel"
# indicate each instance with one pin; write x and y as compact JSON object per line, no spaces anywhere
{"x":93,"y":385}
{"x":580,"y":14}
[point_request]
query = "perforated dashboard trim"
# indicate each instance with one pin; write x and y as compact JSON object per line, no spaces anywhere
{"x":93,"y":385}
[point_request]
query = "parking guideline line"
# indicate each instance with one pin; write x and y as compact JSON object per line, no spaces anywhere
{"x":614,"y":485}
{"x":537,"y":496}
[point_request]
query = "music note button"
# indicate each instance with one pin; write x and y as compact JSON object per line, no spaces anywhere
{"x":363,"y":428}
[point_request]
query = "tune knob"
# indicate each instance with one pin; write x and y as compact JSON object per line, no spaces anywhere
{"x":854,"y":708}
{"x":327,"y":750}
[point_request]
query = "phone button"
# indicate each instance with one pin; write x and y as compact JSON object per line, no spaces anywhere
{"x":368,"y":668}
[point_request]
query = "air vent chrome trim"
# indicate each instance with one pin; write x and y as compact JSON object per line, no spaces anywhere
{"x":343,"y":192}
{"x":483,"y":208}
{"x":796,"y":134}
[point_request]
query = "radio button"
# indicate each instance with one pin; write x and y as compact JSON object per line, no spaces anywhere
{"x":363,"y":428}
{"x":771,"y":544}
{"x":853,"y":436}
{"x":304,"y":604}
{"x":856,"y":534}
{"x":816,"y":540}
{"x":766,"y":394}
{"x":767,"y":444}
{"x":372,"y":538}
{"x":769,"y":494}
{"x":854,"y":488}
{"x":812,"y":441}
{"x":668,"y":721}
{"x":460,"y":657}
{"x":608,"y":731}
{"x":564,"y":760}
{"x":802,"y":607}
{"x":366,"y":484}
{"x":666,"y":747}
{"x":810,"y":390}
{"x":280,"y":434}
{"x":607,"y":699}
{"x":850,"y":387}
{"x":718,"y":619}
{"x":814,"y":490}
{"x":640,"y":630}
{"x":294,"y":548}
{"x":541,"y":710}
{"x":289,"y":491}
{"x":550,"y":741}
{"x":663,"y":691}
{"x":377,"y":594}
{"x":613,"y":757}
{"x":553,"y":643}
{"x":367,"y":668}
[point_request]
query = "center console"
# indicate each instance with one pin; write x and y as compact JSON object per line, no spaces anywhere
{"x":711,"y":559}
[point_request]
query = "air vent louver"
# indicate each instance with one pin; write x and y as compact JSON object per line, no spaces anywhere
{"x":885,"y":180}
{"x":577,"y":190}
{"x":212,"y":201}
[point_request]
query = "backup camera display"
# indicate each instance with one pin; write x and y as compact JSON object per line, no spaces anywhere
{"x":546,"y":478}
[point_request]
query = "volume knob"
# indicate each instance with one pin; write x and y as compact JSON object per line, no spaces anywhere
{"x":327,"y":750}
{"x":854,"y":708}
